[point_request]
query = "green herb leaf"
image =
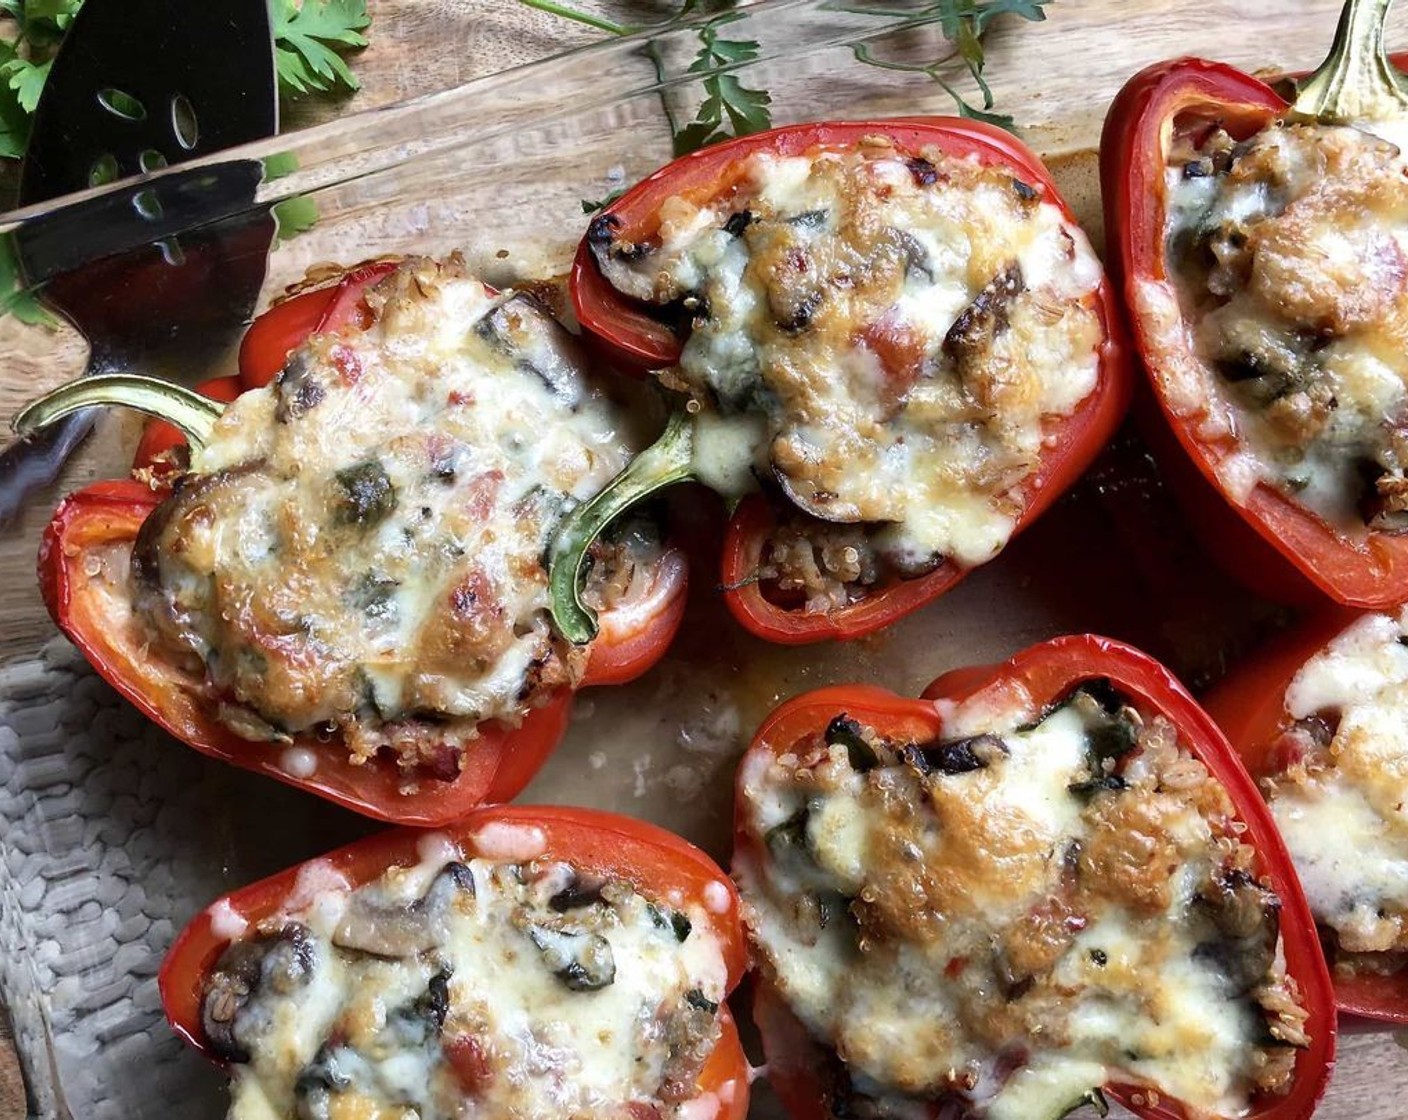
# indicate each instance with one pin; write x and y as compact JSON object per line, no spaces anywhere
{"x":729,"y":107}
{"x":963,"y":23}
{"x":58,"y":13}
{"x":293,"y":216}
{"x":15,"y":299}
{"x":14,"y":121}
{"x":591,"y":206}
{"x":278,"y":165}
{"x":26,"y":79}
{"x":309,"y":37}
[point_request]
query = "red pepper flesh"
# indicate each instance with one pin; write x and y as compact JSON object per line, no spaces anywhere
{"x":322,"y":310}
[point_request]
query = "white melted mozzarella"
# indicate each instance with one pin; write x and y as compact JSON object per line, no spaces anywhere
{"x":1344,"y":816}
{"x":908,"y":329}
{"x":362,"y":541}
{"x":520,"y":1034}
{"x":998,"y":931}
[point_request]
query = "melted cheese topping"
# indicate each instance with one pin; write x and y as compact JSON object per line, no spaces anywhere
{"x":1342,"y":802}
{"x":1290,"y":253}
{"x":478,"y":991}
{"x":906,"y":326}
{"x":360,"y":543}
{"x":1018,"y":916}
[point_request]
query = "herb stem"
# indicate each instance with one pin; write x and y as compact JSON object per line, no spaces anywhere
{"x":862,"y":54}
{"x":598,"y":22}
{"x":657,"y":60}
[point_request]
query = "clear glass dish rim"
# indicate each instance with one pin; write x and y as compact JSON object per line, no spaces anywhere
{"x":356,"y":145}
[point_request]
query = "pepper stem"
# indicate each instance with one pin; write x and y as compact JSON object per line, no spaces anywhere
{"x":1356,"y":82}
{"x":194,"y":414}
{"x":669,"y":460}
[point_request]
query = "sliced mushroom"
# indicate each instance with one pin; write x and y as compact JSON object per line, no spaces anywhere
{"x":582,"y":961}
{"x":1247,"y":918}
{"x":958,"y":756}
{"x":280,"y":960}
{"x":860,"y":752}
{"x":982,"y":321}
{"x":398,"y":931}
{"x":298,"y":390}
{"x":521,"y":328}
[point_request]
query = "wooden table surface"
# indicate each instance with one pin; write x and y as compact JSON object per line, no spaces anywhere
{"x":420,"y":46}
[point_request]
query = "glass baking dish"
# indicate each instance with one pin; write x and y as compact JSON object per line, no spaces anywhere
{"x":114,"y":835}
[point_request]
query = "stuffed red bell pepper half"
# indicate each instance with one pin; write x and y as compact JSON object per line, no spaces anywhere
{"x":527,"y":962}
{"x":345,"y":588}
{"x":1259,"y":245}
{"x":888,"y":340}
{"x":1321,"y":720}
{"x":1043,"y":881}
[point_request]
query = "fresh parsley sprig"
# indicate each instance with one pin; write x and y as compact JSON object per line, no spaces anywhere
{"x":963,"y":23}
{"x":729,"y":108}
{"x":310,"y":40}
{"x":38,"y":28}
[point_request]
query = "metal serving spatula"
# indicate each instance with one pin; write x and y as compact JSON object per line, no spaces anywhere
{"x":138,"y":86}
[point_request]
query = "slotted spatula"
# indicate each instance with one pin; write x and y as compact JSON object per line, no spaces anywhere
{"x":139,"y":85}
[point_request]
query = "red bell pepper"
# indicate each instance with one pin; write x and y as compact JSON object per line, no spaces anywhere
{"x":1269,"y":541}
{"x":1043,"y":675}
{"x":653,"y":861}
{"x":102,"y":521}
{"x":330,"y":305}
{"x":638,"y":340}
{"x":1250,"y":706}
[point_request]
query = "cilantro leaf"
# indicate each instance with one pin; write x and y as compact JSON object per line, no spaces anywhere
{"x":308,"y":38}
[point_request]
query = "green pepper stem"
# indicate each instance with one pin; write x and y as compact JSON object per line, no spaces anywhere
{"x":194,"y":414}
{"x":669,"y":460}
{"x":1356,"y":82}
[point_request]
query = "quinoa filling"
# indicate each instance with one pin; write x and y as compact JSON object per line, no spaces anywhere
{"x":1010,"y":919}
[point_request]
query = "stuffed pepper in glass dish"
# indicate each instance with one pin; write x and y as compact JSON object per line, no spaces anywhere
{"x":1042,"y":882}
{"x":345,"y":587}
{"x":1321,"y":720}
{"x":1259,"y":245}
{"x":890,"y":348}
{"x":525,"y":962}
